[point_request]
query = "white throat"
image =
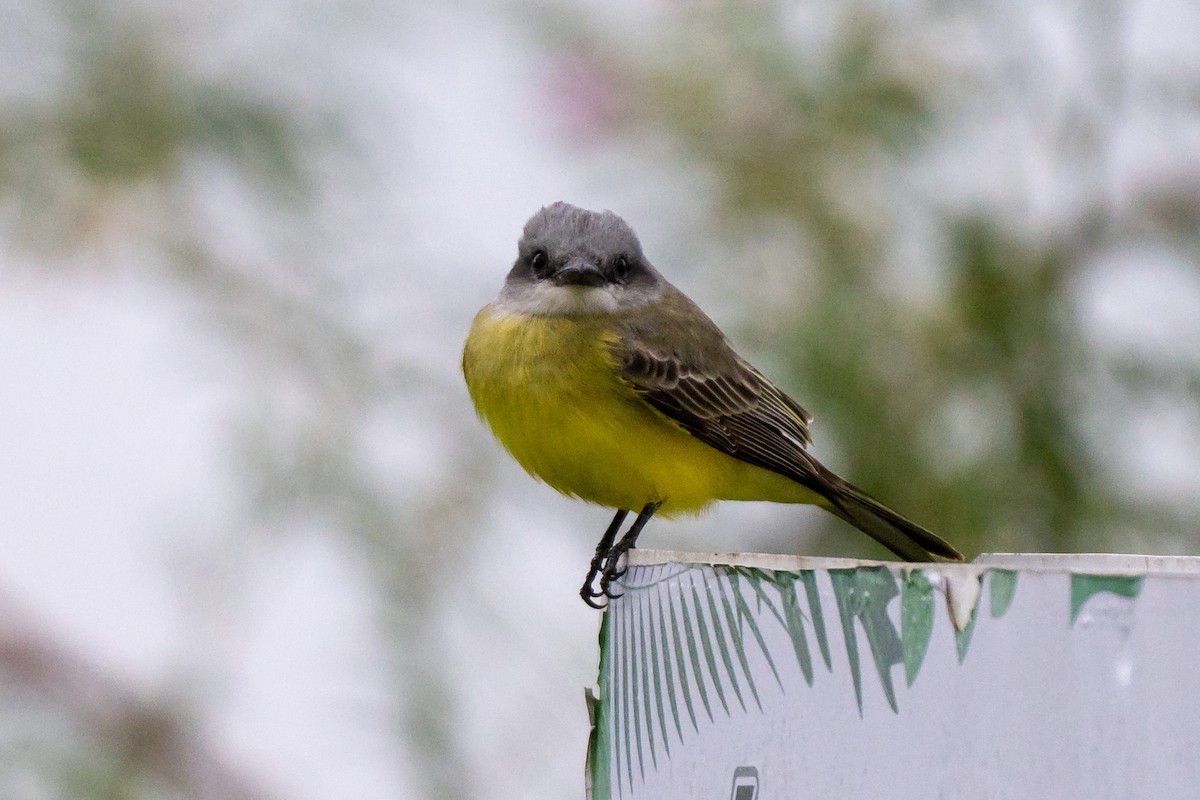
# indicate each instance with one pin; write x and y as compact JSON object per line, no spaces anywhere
{"x":544,"y":299}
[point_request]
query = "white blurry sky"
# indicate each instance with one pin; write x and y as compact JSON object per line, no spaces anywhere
{"x":124,"y":529}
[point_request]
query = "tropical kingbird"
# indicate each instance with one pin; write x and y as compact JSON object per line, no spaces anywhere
{"x":609,"y":384}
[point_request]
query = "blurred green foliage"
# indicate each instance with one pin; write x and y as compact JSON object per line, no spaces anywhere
{"x":119,"y":124}
{"x":134,"y":115}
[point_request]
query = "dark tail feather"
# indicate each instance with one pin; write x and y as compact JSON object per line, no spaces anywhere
{"x":904,"y":538}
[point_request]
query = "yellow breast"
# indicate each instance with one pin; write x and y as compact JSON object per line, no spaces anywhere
{"x":548,"y":388}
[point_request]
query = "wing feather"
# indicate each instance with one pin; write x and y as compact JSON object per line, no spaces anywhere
{"x":734,"y":409}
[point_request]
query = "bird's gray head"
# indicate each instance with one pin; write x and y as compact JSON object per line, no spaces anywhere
{"x":571,"y":261}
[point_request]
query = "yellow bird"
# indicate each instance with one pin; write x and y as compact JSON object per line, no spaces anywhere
{"x":609,"y":384}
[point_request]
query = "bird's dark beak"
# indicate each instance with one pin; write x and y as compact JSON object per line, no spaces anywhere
{"x":580,"y":272}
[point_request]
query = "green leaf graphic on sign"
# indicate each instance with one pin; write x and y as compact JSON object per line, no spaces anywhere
{"x":735,"y":634}
{"x":1084,"y":586}
{"x":794,"y":625}
{"x":692,"y":651}
{"x":843,"y":592}
{"x":706,"y":642}
{"x":674,"y":688}
{"x":745,"y":619}
{"x":600,"y":742}
{"x":809,"y":578}
{"x":962,"y":639}
{"x":633,"y":689}
{"x":864,"y":594}
{"x":621,"y":697}
{"x":723,"y":643}
{"x":649,"y":670}
{"x":916,"y":621}
{"x":878,"y":585}
{"x":1002,"y":585}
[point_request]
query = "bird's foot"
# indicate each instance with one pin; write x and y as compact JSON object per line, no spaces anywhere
{"x":605,"y":567}
{"x":606,"y":563}
{"x":613,"y":571}
{"x":589,"y":594}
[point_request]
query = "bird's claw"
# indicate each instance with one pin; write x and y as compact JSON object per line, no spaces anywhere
{"x":605,"y":568}
{"x":589,"y":597}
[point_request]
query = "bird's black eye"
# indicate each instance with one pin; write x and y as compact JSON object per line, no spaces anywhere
{"x":539,"y":262}
{"x":621,"y":268}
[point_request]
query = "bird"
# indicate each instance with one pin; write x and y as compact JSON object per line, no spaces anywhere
{"x":606,"y":382}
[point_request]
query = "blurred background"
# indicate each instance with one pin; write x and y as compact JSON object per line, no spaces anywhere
{"x":255,"y":543}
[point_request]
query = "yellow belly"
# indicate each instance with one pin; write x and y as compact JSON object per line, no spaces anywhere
{"x":548,"y":389}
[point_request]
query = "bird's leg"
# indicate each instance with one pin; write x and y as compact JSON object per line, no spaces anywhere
{"x":609,"y":570}
{"x":600,"y":560}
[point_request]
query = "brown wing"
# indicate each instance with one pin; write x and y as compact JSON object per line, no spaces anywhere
{"x":740,"y":412}
{"x":697,"y":380}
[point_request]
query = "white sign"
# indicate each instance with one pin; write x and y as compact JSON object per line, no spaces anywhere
{"x":764,"y":677}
